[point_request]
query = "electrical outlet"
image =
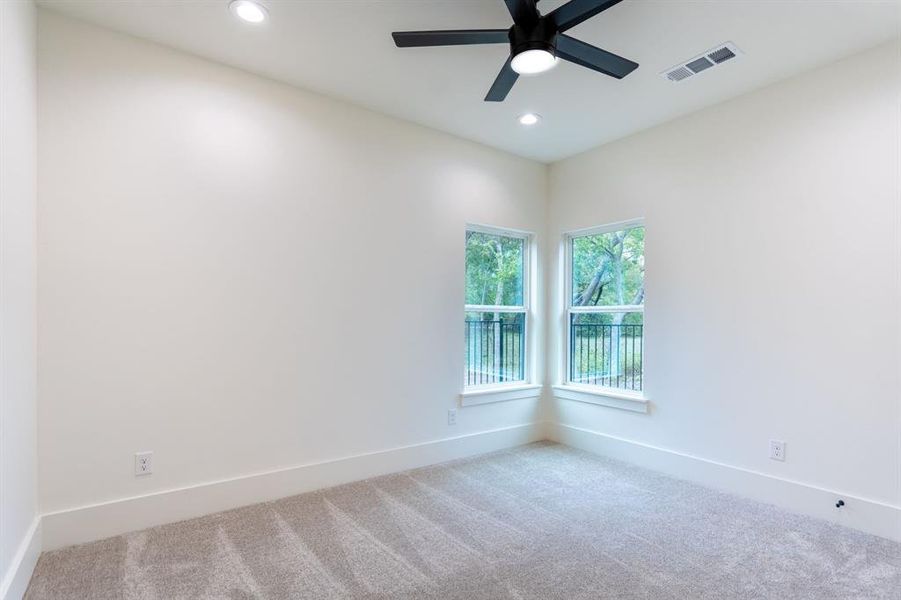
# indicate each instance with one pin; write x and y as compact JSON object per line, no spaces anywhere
{"x":452,"y":416}
{"x":143,"y":463}
{"x":777,"y":450}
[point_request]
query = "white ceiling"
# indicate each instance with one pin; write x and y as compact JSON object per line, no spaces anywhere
{"x":343,"y":48}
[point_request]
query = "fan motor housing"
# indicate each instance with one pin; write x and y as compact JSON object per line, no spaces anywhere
{"x":540,"y":36}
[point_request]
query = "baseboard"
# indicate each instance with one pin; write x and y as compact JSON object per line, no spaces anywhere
{"x":15,"y":580}
{"x":93,"y":522}
{"x":863,"y":514}
{"x":107,"y":519}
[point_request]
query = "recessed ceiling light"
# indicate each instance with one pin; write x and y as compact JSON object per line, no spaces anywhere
{"x":248,"y":11}
{"x":531,"y":62}
{"x":529,"y":119}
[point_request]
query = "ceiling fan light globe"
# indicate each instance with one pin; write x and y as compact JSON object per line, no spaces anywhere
{"x":248,"y":11}
{"x":532,"y":62}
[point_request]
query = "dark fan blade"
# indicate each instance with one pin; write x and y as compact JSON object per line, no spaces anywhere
{"x":501,"y":86}
{"x":592,"y":57}
{"x":524,"y":12}
{"x":575,"y":11}
{"x":459,"y":37}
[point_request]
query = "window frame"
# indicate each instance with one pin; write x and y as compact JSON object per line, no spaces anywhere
{"x":512,"y":390}
{"x":594,"y":393}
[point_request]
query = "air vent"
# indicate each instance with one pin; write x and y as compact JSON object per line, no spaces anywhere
{"x":679,"y":74}
{"x":712,"y":58}
{"x":721,"y":55}
{"x":699,"y":64}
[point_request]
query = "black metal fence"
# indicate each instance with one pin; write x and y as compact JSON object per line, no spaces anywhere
{"x":608,"y":355}
{"x":495,"y":352}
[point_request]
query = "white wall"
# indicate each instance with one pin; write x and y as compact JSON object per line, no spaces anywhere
{"x":241,"y":276}
{"x":18,"y":443}
{"x":773,"y":262}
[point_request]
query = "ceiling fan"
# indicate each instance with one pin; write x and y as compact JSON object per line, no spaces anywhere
{"x":536,"y":42}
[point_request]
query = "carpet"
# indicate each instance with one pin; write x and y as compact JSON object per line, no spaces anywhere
{"x":542,"y":521}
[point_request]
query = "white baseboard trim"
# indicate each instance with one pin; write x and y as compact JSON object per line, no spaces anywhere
{"x":863,"y":514}
{"x":15,"y":580}
{"x":93,"y":522}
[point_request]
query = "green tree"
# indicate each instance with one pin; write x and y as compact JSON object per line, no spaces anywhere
{"x":608,"y":268}
{"x":493,"y":269}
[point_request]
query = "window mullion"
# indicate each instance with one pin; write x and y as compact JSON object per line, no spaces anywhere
{"x":625,"y":308}
{"x":492,"y":308}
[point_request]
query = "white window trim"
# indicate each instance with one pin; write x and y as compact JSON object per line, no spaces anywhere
{"x":603,"y":396}
{"x":499,"y":393}
{"x":594,"y":394}
{"x":514,"y":390}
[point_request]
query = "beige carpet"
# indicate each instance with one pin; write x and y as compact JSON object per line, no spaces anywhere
{"x":541,"y":521}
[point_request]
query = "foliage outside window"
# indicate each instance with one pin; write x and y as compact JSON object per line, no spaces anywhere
{"x":605,"y":308}
{"x":496,"y":307}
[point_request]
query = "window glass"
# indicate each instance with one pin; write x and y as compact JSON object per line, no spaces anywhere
{"x":608,"y":268}
{"x":606,"y":349}
{"x":495,"y":348}
{"x":494,"y":269}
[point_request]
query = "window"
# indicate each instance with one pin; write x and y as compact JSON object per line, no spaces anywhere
{"x":497,"y":291}
{"x":605,"y":307}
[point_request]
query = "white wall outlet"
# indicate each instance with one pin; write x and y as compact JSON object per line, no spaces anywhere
{"x":452,"y":416}
{"x":777,"y":450}
{"x":143,"y":463}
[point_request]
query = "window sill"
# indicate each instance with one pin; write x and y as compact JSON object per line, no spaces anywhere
{"x":635,"y":402}
{"x":499,"y":394}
